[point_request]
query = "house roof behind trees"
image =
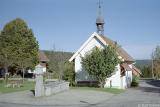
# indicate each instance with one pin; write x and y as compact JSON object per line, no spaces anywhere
{"x":43,"y":57}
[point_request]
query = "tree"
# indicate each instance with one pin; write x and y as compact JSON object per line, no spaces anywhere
{"x":57,"y":61}
{"x":146,"y":71}
{"x":52,"y":64}
{"x":69,"y":73}
{"x":101,"y":63}
{"x":156,"y":62}
{"x":7,"y":54}
{"x":61,"y":66}
{"x":18,"y":45}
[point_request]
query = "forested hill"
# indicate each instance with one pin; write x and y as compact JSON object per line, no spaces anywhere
{"x":58,"y":55}
{"x":145,"y":67}
{"x":57,"y":59}
{"x":142,"y":63}
{"x":64,"y":56}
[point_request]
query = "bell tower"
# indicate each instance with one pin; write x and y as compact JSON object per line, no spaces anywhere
{"x":100,"y":21}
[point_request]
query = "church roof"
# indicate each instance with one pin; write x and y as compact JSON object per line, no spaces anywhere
{"x":136,"y":69}
{"x":121,"y":52}
{"x":126,"y":67}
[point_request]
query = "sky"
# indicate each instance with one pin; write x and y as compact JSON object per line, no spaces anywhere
{"x":67,"y":24}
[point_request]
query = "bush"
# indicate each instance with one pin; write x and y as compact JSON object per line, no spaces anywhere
{"x":135,"y":81}
{"x":69,"y":73}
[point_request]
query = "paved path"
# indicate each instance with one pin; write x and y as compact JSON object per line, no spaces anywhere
{"x":147,"y":93}
{"x":71,"y":98}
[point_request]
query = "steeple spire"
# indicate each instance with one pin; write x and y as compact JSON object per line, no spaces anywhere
{"x":100,"y":20}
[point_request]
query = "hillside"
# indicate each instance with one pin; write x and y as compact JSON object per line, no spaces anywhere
{"x":58,"y":55}
{"x":58,"y":58}
{"x":142,"y":63}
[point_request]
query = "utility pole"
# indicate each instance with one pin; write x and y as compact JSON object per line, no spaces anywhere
{"x":152,"y":66}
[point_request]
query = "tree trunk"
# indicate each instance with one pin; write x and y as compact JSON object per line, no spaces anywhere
{"x":6,"y":74}
{"x":101,"y":84}
{"x":23,"y":74}
{"x":60,"y":71}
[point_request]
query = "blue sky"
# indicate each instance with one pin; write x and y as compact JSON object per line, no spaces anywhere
{"x":134,"y":24}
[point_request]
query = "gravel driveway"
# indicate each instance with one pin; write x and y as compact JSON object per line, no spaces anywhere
{"x":147,"y":95}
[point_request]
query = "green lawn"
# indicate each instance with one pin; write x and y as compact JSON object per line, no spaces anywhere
{"x":26,"y":86}
{"x":110,"y":90}
{"x":30,"y":86}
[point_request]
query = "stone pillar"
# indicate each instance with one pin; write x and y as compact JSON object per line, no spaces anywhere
{"x":39,"y":87}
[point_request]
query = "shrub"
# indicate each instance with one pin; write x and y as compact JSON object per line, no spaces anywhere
{"x":135,"y":81}
{"x":69,"y":73}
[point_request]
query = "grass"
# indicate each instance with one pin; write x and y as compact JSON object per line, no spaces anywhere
{"x":109,"y":90}
{"x":26,"y":86}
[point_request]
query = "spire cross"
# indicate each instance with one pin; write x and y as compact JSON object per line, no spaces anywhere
{"x":100,"y":20}
{"x":99,"y":3}
{"x":99,"y":6}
